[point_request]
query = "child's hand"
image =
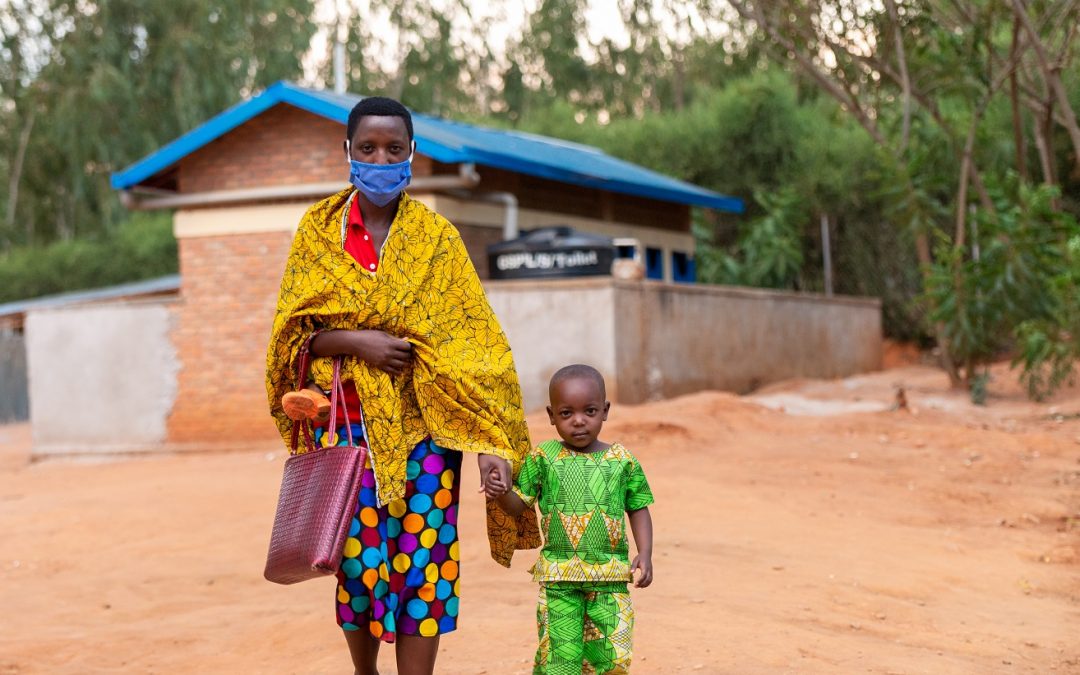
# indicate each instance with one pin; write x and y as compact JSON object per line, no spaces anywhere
{"x":641,"y":569}
{"x":493,"y":486}
{"x":494,"y":476}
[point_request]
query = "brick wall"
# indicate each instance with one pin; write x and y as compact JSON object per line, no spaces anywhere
{"x":283,"y":146}
{"x":228,"y":293}
{"x":222,"y":323}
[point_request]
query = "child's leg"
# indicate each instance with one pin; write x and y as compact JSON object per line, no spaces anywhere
{"x":609,"y":629}
{"x":560,"y":620}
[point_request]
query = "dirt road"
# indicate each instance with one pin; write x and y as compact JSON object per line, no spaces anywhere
{"x":808,"y":529}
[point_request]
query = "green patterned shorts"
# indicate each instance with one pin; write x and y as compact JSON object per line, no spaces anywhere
{"x":584,"y":628}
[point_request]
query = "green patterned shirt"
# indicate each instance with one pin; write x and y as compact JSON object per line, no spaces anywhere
{"x":583,"y":499}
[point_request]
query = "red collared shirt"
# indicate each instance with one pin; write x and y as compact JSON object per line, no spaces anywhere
{"x":359,"y":245}
{"x":358,"y":241}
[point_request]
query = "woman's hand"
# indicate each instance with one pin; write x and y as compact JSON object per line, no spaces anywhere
{"x":382,"y":350}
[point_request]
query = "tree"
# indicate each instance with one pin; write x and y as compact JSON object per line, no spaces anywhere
{"x":930,"y":71}
{"x":115,"y":79}
{"x":434,"y":57}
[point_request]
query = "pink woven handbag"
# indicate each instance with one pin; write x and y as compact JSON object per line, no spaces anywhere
{"x":318,"y":497}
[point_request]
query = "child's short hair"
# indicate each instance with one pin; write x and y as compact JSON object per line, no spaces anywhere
{"x":579,"y":371}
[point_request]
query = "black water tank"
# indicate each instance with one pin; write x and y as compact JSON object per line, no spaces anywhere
{"x":554,"y":252}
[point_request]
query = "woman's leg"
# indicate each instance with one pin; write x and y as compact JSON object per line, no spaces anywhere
{"x":416,"y":654}
{"x":364,"y":650}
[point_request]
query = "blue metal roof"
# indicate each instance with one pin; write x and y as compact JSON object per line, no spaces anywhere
{"x":451,"y":142}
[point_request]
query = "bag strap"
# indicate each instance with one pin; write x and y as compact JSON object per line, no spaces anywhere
{"x":337,"y":394}
{"x":303,"y":365}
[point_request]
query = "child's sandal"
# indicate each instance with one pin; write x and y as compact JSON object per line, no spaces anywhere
{"x":305,"y":405}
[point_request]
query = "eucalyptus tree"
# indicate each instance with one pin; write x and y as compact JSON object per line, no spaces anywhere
{"x":115,"y":79}
{"x":921,"y":78}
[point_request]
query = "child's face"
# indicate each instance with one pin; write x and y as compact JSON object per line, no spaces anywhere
{"x":578,"y":411}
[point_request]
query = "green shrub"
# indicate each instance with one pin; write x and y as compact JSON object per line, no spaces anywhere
{"x":143,"y":247}
{"x":1018,"y":294}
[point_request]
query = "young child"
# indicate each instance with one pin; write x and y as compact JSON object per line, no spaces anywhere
{"x":584,"y":488}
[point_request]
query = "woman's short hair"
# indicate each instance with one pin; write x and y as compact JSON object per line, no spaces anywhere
{"x":379,"y":106}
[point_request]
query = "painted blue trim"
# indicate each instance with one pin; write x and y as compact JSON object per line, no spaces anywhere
{"x":688,"y":194}
{"x":292,"y":95}
{"x":654,"y":263}
{"x":682,"y":267}
{"x":451,"y":143}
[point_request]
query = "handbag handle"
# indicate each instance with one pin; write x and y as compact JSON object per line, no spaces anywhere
{"x":337,"y":393}
{"x":303,"y":365}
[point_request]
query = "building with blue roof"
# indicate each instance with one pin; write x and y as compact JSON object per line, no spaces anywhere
{"x":239,"y":184}
{"x":491,"y":183}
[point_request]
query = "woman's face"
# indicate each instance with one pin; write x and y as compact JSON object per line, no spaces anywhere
{"x":380,"y":139}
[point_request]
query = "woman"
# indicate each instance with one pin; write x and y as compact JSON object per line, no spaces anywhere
{"x":382,"y":280}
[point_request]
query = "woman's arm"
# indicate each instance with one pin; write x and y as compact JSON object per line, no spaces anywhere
{"x":381,"y":350}
{"x":641,"y":526}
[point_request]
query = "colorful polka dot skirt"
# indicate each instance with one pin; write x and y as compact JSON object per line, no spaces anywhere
{"x":399,"y":570}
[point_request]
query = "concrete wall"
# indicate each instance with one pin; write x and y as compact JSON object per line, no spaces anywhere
{"x":674,"y":339}
{"x":102,"y":377}
{"x":552,"y":324}
{"x":108,"y":378}
{"x":655,"y":340}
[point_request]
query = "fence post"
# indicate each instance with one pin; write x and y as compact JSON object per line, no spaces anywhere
{"x":826,"y":254}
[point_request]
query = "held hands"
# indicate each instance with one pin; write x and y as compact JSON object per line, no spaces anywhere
{"x":382,"y":350}
{"x":641,"y":569}
{"x":495,"y":475}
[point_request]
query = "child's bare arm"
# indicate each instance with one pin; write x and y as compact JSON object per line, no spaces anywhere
{"x":641,"y":526}
{"x":496,"y":488}
{"x":511,"y":503}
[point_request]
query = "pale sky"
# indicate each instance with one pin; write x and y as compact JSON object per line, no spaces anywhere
{"x":602,"y":17}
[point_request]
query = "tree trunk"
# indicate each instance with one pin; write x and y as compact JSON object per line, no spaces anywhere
{"x":1014,"y":100}
{"x":1046,"y":159}
{"x":922,"y":252}
{"x":905,"y":78}
{"x":961,"y":192}
{"x":1052,"y":75}
{"x":679,"y":83}
{"x":16,"y":171}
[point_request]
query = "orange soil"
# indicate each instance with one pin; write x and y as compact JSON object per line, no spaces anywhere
{"x":941,"y":540}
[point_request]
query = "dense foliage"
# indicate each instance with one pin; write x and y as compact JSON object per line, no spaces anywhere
{"x":142,"y":247}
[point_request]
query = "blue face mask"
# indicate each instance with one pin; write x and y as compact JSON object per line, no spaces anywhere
{"x":380,"y":183}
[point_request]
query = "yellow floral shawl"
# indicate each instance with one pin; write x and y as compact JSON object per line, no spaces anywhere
{"x":461,"y":387}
